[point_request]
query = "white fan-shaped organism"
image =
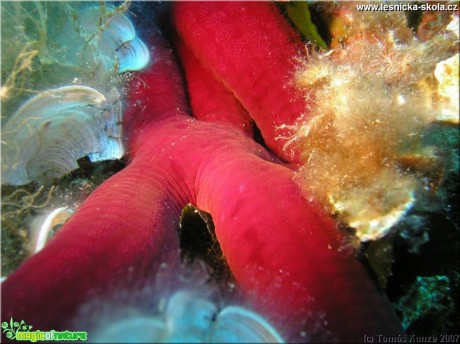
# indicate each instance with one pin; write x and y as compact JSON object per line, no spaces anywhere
{"x":236,"y":325}
{"x":141,"y":329}
{"x":104,"y":39}
{"x":57,"y":217}
{"x":48,"y":134}
{"x":132,"y":55}
{"x":189,"y":318}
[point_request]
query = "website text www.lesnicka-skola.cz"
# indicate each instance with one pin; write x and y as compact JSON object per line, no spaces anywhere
{"x":407,"y":7}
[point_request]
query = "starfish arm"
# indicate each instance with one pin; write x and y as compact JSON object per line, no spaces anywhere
{"x":122,"y":232}
{"x":252,"y":50}
{"x":209,"y":99}
{"x":289,"y":254}
{"x":154,"y":94}
{"x":124,"y":229}
{"x":270,"y":234}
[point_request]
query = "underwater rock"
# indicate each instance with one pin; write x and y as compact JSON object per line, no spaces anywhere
{"x":49,"y":133}
{"x":428,"y":300}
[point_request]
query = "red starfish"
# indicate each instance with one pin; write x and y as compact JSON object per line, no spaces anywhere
{"x":281,"y":248}
{"x":252,"y":50}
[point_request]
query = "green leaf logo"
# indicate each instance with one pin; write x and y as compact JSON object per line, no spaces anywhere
{"x":11,"y":329}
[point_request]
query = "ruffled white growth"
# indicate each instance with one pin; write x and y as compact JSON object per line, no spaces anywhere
{"x":191,"y":319}
{"x":236,"y":324}
{"x":56,"y":217}
{"x":49,"y":133}
{"x":46,"y":136}
{"x":109,"y":41}
{"x":132,"y":55}
{"x":447,"y":75}
{"x":140,"y":329}
{"x":454,"y":25}
{"x":187,"y":318}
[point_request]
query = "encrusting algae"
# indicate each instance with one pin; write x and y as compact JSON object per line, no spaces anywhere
{"x":373,"y":99}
